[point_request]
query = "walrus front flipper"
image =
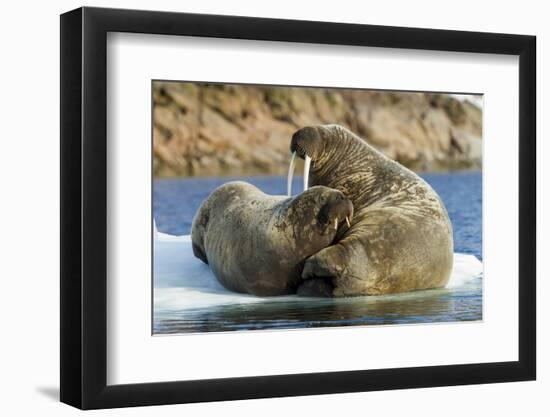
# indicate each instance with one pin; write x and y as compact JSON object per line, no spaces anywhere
{"x":316,"y":287}
{"x":318,"y":277}
{"x":327,"y":263}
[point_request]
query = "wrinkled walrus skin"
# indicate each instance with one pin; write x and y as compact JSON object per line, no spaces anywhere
{"x":257,"y":243}
{"x":401,"y":238}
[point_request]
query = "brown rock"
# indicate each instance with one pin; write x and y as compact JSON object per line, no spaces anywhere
{"x":211,"y":129}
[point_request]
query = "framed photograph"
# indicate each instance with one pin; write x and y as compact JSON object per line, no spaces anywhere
{"x":257,"y":208}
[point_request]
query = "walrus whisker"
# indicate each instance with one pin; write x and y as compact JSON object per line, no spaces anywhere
{"x":290,"y":174}
{"x":306,"y":171}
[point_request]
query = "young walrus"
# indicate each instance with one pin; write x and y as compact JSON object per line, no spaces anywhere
{"x":257,"y":243}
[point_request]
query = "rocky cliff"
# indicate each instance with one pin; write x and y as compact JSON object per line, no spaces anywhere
{"x":207,"y":129}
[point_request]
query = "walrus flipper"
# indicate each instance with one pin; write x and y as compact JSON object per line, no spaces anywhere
{"x":325,"y":264}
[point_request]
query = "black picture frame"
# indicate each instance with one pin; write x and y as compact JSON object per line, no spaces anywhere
{"x":84,"y":207}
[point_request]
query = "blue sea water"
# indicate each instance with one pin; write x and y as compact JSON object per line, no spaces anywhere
{"x":175,"y":202}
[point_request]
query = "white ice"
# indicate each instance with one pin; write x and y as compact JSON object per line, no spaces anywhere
{"x":182,"y":281}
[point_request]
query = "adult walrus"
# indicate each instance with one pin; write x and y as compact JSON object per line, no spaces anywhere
{"x":401,"y":237}
{"x":257,"y":243}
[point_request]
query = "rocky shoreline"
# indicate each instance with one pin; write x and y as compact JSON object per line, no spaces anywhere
{"x":215,"y":130}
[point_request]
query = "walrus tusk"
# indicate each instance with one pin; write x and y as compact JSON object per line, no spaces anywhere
{"x":347,"y":221}
{"x":306,"y":171}
{"x":335,"y":224}
{"x":290,"y":174}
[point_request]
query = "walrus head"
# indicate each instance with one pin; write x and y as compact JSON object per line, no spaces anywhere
{"x":337,"y":210}
{"x":330,"y":208}
{"x":308,"y":143}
